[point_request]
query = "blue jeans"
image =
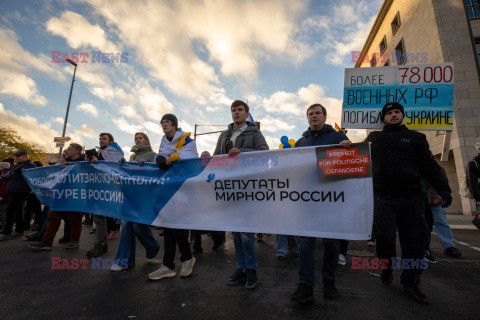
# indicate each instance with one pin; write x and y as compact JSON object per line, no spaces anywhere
{"x":126,"y":248}
{"x":442,"y":227}
{"x":306,"y":259}
{"x":245,"y":250}
{"x":283,"y":241}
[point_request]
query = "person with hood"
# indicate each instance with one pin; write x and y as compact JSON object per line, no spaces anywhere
{"x":19,"y":190}
{"x":242,"y":136}
{"x":400,"y":159}
{"x":125,"y":259}
{"x":175,"y":145}
{"x":318,"y":134}
{"x":109,"y":151}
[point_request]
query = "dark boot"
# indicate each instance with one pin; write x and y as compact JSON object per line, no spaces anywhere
{"x":252,"y":280}
{"x":303,"y":294}
{"x":97,"y":251}
{"x":387,"y":276}
{"x":329,"y":290}
{"x":238,"y":277}
{"x":411,"y":287}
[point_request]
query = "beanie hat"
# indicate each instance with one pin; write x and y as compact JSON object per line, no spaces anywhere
{"x":391,"y":106}
{"x":170,"y":117}
{"x":477,"y":146}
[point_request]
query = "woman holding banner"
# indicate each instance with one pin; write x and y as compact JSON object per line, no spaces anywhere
{"x":125,"y":259}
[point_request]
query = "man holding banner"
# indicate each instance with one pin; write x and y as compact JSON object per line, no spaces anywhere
{"x":318,"y":134}
{"x":402,"y":157}
{"x":242,"y":136}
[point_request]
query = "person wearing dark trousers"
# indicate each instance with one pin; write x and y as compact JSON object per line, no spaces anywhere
{"x":19,"y":190}
{"x":342,"y":260}
{"x":73,"y":154}
{"x":400,"y":158}
{"x":175,"y":145}
{"x":318,"y":133}
{"x":218,"y":238}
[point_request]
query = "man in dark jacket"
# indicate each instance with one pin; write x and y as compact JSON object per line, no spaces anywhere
{"x":400,"y":158}
{"x":18,"y":189}
{"x":242,"y":136}
{"x":318,"y":134}
{"x":473,"y":176}
{"x":73,"y":154}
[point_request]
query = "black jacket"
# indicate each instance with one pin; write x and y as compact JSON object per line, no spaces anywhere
{"x":472,"y":177}
{"x":251,"y":139}
{"x":16,"y":182}
{"x":400,"y":159}
{"x":325,"y":136}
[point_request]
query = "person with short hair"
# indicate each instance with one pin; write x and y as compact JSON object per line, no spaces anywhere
{"x":175,"y":145}
{"x":109,"y":151}
{"x":73,"y":154}
{"x":318,"y":134}
{"x":400,"y":159}
{"x":242,"y":136}
{"x":18,"y":190}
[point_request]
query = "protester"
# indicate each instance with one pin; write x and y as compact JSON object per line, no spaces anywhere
{"x":4,"y":196}
{"x":242,"y":136}
{"x":318,"y":134}
{"x":73,"y":154}
{"x":283,"y":242}
{"x":125,"y":258}
{"x":175,"y":145}
{"x":33,"y":207}
{"x":218,"y":237}
{"x":19,"y":190}
{"x":400,"y":157}
{"x":473,"y":176}
{"x":109,"y":151}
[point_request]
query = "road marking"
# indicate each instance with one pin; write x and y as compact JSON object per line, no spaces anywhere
{"x":467,"y":245}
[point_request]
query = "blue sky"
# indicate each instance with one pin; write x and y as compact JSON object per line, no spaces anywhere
{"x":191,"y":58}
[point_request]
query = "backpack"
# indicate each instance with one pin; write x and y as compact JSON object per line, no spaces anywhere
{"x":464,"y":190}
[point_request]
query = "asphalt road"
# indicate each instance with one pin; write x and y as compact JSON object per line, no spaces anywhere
{"x":30,"y":289}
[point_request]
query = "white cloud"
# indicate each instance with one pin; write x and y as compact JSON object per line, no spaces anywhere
{"x":28,"y":128}
{"x":131,"y":113}
{"x":271,"y":124}
{"x":125,"y":126}
{"x":88,"y":108}
{"x":21,"y":86}
{"x":79,"y":32}
{"x":85,"y":131}
{"x":59,"y":120}
{"x":154,"y":103}
{"x":344,"y":29}
{"x":237,"y":36}
{"x":273,"y":142}
{"x":186,"y":127}
{"x":294,"y":103}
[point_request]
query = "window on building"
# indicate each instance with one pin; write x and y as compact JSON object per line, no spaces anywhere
{"x":477,"y":48}
{"x":383,"y":44}
{"x":473,"y":8}
{"x":396,"y":22}
{"x":373,"y":61}
{"x":401,"y":56}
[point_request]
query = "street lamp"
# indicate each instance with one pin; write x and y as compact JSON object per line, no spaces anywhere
{"x":68,"y":106}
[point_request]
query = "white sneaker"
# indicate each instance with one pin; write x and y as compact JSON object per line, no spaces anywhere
{"x":154,"y":261}
{"x":371,"y":243}
{"x":187,"y":267}
{"x":116,"y":268}
{"x":341,"y":260}
{"x":163,"y":272}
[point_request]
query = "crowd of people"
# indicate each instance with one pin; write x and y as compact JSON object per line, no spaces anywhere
{"x":411,"y":192}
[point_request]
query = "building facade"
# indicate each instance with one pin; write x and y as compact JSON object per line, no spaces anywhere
{"x":436,"y":31}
